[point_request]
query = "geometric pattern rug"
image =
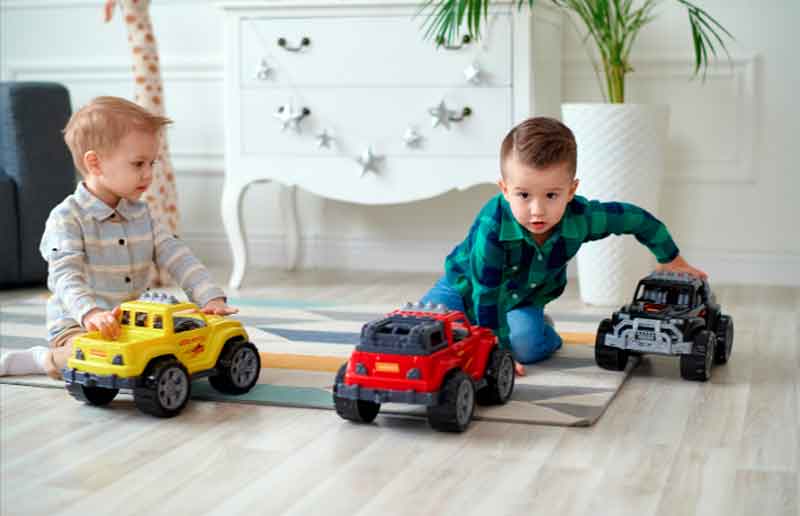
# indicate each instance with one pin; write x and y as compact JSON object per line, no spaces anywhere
{"x":302,"y":345}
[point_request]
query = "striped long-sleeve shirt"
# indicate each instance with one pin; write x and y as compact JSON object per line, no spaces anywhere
{"x":500,"y":266}
{"x":99,"y":256}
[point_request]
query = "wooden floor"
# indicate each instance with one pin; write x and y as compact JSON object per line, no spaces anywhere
{"x":665,"y":446}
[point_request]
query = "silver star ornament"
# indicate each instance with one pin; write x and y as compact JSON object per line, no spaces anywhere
{"x":412,"y":139}
{"x":289,"y":117}
{"x":474,"y":74}
{"x":441,"y":115}
{"x":368,"y":161}
{"x":324,"y":139}
{"x":264,"y":70}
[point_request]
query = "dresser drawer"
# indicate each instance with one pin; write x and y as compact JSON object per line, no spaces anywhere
{"x":367,"y":51}
{"x":358,"y":117}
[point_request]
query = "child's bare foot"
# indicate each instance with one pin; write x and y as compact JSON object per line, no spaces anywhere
{"x":50,"y":366}
{"x":519,"y":368}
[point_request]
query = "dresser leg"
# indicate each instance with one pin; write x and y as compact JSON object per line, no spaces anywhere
{"x":231,"y":208}
{"x":292,"y":228}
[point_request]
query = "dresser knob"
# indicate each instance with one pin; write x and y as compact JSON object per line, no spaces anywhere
{"x":466,"y":40}
{"x":291,"y":118}
{"x":442,"y":116}
{"x":467,"y":111}
{"x":301,"y":114}
{"x":305,"y":42}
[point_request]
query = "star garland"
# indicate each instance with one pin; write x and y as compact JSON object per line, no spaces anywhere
{"x":291,"y":117}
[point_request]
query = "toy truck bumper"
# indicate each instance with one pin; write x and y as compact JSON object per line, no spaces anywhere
{"x":72,"y":375}
{"x":648,"y":336}
{"x":357,"y":392}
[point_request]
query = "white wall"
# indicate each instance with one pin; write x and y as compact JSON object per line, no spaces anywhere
{"x":729,"y":201}
{"x":732,"y":182}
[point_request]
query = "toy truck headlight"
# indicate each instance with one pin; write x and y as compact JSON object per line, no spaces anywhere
{"x":414,"y":374}
{"x":118,"y":360}
{"x":361,"y":369}
{"x":79,"y":354}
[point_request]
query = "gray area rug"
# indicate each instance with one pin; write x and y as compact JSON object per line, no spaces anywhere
{"x":565,"y":390}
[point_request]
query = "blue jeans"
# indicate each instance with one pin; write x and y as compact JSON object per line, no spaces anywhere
{"x":531,"y":339}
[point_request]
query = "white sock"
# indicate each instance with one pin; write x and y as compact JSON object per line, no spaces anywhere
{"x":23,"y":361}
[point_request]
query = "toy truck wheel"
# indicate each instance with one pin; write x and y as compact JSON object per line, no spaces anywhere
{"x":454,"y":413}
{"x":360,"y":411}
{"x":608,"y":357}
{"x":238,"y":367}
{"x":722,"y":351}
{"x":164,"y":389}
{"x":499,"y":379}
{"x":97,"y":396}
{"x":696,"y":365}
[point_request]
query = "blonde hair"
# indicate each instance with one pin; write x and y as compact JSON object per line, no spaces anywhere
{"x":102,"y":123}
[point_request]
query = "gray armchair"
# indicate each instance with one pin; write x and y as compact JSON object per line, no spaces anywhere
{"x":36,"y":173}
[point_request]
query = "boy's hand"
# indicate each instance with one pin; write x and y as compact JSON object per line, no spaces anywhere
{"x":681,"y":265}
{"x":103,"y":321}
{"x":217,"y":306}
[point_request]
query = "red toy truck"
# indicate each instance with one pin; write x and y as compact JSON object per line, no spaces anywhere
{"x":424,"y":355}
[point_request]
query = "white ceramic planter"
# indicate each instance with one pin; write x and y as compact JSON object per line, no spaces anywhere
{"x":621,"y":156}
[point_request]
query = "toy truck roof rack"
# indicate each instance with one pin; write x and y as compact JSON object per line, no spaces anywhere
{"x":399,"y":334}
{"x":158,"y":297}
{"x":673,"y":278}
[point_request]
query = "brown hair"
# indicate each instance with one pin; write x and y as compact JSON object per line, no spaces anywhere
{"x":540,"y":142}
{"x":102,"y":123}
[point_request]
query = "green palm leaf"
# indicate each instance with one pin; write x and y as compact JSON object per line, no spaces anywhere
{"x":613,"y":25}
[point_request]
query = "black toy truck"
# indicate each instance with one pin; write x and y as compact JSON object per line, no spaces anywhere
{"x":671,"y":314}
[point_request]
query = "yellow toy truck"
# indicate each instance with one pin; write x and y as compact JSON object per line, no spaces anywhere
{"x":163,"y":345}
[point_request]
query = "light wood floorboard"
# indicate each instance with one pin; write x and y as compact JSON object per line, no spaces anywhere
{"x":665,"y":446}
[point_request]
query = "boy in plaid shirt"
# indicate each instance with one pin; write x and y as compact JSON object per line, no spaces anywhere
{"x":514,"y":259}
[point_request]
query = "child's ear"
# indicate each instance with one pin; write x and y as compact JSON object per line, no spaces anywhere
{"x":503,"y":188}
{"x":573,"y":188}
{"x":92,"y":162}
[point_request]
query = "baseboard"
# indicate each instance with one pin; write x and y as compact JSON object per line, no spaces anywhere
{"x":725,"y":267}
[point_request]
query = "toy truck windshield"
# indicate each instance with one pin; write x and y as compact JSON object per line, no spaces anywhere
{"x":676,"y":295}
{"x":141,"y":319}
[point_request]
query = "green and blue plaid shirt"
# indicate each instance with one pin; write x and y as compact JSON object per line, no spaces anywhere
{"x":500,"y":266}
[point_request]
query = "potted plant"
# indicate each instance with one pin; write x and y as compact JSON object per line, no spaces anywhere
{"x":621,"y":147}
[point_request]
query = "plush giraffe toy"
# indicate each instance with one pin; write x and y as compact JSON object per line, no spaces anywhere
{"x":161,"y":197}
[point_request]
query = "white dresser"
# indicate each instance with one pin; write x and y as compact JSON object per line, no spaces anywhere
{"x":346,"y":100}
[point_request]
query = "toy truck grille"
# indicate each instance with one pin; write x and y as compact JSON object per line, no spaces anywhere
{"x":648,"y":335}
{"x":403,"y":335}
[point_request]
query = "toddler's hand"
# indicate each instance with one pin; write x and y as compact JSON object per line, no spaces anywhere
{"x":681,"y":265}
{"x":108,"y":10}
{"x":103,"y":321}
{"x":217,"y":306}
